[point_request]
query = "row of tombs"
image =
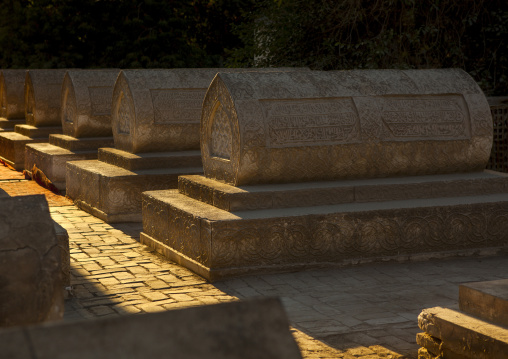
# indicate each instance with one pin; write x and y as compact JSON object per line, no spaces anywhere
{"x":239,"y":171}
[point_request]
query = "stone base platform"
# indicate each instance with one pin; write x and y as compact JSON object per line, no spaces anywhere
{"x":219,"y":231}
{"x":111,"y":192}
{"x":12,"y":148}
{"x":51,"y":158}
{"x":8,"y":124}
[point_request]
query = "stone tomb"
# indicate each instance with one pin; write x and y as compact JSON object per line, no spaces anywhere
{"x":12,"y":97}
{"x":249,"y":329}
{"x":331,"y":168}
{"x":86,"y":98}
{"x":155,"y":120}
{"x":31,"y":277}
{"x":42,"y":115}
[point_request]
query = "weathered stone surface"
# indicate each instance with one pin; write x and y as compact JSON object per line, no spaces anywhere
{"x":112,"y":193}
{"x":435,"y":347}
{"x":12,"y":148}
{"x":216,"y":243}
{"x":42,"y":97}
{"x":51,"y":160}
{"x":12,"y":99}
{"x":31,"y":280}
{"x":465,"y":335}
{"x":249,"y":329}
{"x":308,"y":126}
{"x":486,"y":300}
{"x":86,"y":102}
{"x":160,"y":110}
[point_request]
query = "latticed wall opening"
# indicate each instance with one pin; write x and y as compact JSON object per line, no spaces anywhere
{"x":498,"y":160}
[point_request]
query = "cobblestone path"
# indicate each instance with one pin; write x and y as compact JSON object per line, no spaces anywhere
{"x":368,"y":311}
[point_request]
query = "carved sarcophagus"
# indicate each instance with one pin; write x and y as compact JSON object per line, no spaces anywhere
{"x":333,"y":168}
{"x":86,"y":98}
{"x":296,"y":127}
{"x":159,"y":110}
{"x":42,"y":97}
{"x":11,"y":94}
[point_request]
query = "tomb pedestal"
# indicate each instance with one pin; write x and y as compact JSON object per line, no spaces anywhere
{"x":51,"y":158}
{"x":110,"y":188}
{"x":218,"y":230}
{"x":86,"y":123}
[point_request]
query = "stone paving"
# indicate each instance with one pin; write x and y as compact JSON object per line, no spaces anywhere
{"x":367,"y":311}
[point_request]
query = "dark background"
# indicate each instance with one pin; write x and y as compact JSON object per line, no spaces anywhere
{"x":321,"y":34}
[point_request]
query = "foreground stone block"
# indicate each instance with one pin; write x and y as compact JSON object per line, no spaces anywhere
{"x":250,"y":329}
{"x":465,"y":335}
{"x":42,"y":115}
{"x":86,"y":97}
{"x":331,"y":168}
{"x":12,"y":109}
{"x":31,"y":279}
{"x":486,"y":300}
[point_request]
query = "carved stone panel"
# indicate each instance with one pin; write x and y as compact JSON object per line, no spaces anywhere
{"x":297,"y":127}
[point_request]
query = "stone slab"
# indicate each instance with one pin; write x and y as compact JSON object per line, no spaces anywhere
{"x":37,"y":132}
{"x":236,"y":330}
{"x":113,"y":194}
{"x":464,"y":334}
{"x":486,"y":300}
{"x":80,"y":144}
{"x":285,"y":127}
{"x":51,"y":160}
{"x":31,"y":278}
{"x":12,"y":148}
{"x":149,"y":160}
{"x":216,"y":244}
{"x":8,"y":125}
{"x":231,"y":198}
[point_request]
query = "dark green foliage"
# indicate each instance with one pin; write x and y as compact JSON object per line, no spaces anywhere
{"x":346,"y":34}
{"x":116,"y":33}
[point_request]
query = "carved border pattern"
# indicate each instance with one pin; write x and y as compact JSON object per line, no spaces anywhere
{"x":335,"y":237}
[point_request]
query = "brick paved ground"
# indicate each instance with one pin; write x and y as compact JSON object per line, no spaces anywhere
{"x":366,"y":312}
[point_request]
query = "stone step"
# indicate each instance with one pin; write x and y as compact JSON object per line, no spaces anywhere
{"x":465,"y":335}
{"x":307,"y":194}
{"x":486,"y":300}
{"x":37,"y":132}
{"x":8,"y":124}
{"x":150,"y":160}
{"x":80,"y":144}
